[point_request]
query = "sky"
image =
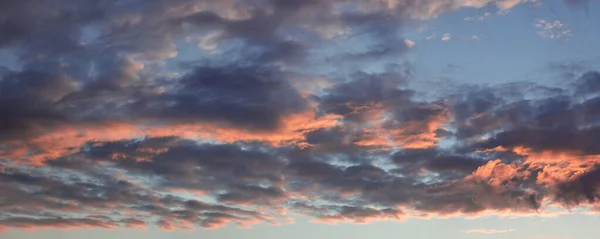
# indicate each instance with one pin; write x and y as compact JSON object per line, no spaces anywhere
{"x":299,"y":119}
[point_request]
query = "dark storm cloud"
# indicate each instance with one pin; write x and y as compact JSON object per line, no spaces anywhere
{"x":365,"y":94}
{"x":249,"y":97}
{"x":564,"y":139}
{"x":252,"y":194}
{"x":499,"y":108}
{"x":415,"y":160}
{"x":27,"y":99}
{"x":553,"y":123}
{"x":25,"y":21}
{"x":418,"y":112}
{"x":581,"y":190}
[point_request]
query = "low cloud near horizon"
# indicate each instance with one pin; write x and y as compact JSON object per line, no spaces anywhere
{"x":487,"y":231}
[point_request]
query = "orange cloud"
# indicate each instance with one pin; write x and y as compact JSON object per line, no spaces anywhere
{"x":408,"y":135}
{"x":135,"y":224}
{"x":497,"y":174}
{"x":65,"y":140}
{"x":168,"y":224}
{"x":554,"y":166}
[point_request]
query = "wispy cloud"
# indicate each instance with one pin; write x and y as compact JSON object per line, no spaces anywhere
{"x":486,"y":231}
{"x":479,"y":17}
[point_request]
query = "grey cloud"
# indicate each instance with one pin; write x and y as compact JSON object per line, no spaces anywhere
{"x":413,"y":161}
{"x":588,"y":83}
{"x":61,"y":197}
{"x":581,"y":190}
{"x":57,"y":222}
{"x":254,"y":98}
{"x":364,"y":93}
{"x":554,"y":123}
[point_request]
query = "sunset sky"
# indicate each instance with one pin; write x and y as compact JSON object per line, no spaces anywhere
{"x":269,"y":119}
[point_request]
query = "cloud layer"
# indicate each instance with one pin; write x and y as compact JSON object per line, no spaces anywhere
{"x":106,"y":123}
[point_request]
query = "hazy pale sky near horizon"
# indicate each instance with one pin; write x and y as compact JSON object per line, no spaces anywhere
{"x":299,"y":119}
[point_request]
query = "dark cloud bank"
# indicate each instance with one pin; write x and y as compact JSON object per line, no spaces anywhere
{"x":86,"y":67}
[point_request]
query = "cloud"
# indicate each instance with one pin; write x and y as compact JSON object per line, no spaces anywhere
{"x":486,"y":231}
{"x":553,"y":30}
{"x":588,"y":83}
{"x":409,"y":43}
{"x":446,"y":37}
{"x":226,"y":95}
{"x":96,"y":131}
{"x":479,"y":18}
{"x":251,"y":182}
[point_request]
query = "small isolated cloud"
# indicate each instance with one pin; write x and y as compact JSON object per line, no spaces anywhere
{"x":552,"y":30}
{"x":477,"y":38}
{"x":409,"y":43}
{"x":446,"y":37}
{"x":487,"y":231}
